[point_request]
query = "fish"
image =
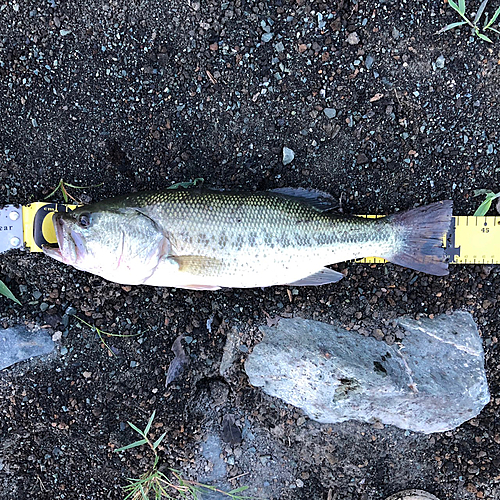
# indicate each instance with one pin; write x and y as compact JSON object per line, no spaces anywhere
{"x":204,"y":239}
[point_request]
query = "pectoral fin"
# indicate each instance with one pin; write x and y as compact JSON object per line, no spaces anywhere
{"x":322,"y":277}
{"x":196,"y":264}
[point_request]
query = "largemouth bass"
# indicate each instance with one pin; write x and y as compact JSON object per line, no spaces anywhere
{"x":202,"y":239}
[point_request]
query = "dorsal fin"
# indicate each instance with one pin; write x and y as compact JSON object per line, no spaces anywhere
{"x":317,"y":199}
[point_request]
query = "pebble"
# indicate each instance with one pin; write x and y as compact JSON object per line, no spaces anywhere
{"x":369,"y":62}
{"x":330,"y":113}
{"x":353,"y":38}
{"x":288,"y":155}
{"x":440,"y":62}
{"x":267,"y":37}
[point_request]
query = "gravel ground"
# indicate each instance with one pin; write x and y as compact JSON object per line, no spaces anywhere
{"x":380,"y":112}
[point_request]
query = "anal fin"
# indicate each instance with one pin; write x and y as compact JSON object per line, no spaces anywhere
{"x":322,"y":277}
{"x":200,"y":287}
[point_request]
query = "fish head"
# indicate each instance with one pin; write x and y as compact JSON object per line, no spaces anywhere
{"x":121,"y":244}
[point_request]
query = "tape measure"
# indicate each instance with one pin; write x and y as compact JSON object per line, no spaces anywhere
{"x":471,"y":240}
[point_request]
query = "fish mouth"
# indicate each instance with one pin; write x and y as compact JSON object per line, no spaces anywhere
{"x":52,"y":250}
{"x":69,"y":243}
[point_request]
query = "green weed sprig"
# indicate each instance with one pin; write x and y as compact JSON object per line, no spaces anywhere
{"x":486,"y":204}
{"x":154,"y":482}
{"x":474,"y":24}
{"x":66,"y":195}
{"x":186,"y":185}
{"x":5,"y":291}
{"x":100,"y":334}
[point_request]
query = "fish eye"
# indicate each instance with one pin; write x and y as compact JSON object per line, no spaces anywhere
{"x":84,"y":220}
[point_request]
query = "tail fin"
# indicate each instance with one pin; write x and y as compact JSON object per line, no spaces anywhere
{"x":423,"y":230}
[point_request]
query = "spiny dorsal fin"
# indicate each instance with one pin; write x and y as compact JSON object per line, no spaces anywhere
{"x":317,"y":199}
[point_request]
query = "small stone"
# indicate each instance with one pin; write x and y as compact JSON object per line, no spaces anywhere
{"x":353,"y":38}
{"x":369,"y":62}
{"x":302,"y":48}
{"x":440,"y":62}
{"x":214,"y":46}
{"x":330,"y":113}
{"x":267,"y":37}
{"x":395,"y":33}
{"x":279,"y":47}
{"x":64,"y":32}
{"x":87,"y":374}
{"x":288,"y":156}
{"x":44,"y":306}
{"x":362,"y":159}
{"x":64,"y":350}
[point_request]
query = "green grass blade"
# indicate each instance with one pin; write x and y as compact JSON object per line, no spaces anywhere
{"x":186,"y":185}
{"x":150,"y":423}
{"x":495,"y":15}
{"x":484,"y":37}
{"x":132,"y":445}
{"x":461,"y":6}
{"x":493,"y":19}
{"x":83,"y":187}
{"x":450,"y":27}
{"x":55,"y":190}
{"x":136,"y":429}
{"x":495,"y":30}
{"x":479,"y":192}
{"x":483,"y":208}
{"x":453,"y":5}
{"x":238,"y":490}
{"x":159,"y":440}
{"x":480,"y":11}
{"x":4,"y":290}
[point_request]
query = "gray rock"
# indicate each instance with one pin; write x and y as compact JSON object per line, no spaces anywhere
{"x":17,"y":343}
{"x":353,"y":38}
{"x":432,"y":382}
{"x":330,"y":112}
{"x":440,"y":62}
{"x":288,"y":156}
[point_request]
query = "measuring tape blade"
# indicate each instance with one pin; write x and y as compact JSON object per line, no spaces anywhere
{"x":471,"y":239}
